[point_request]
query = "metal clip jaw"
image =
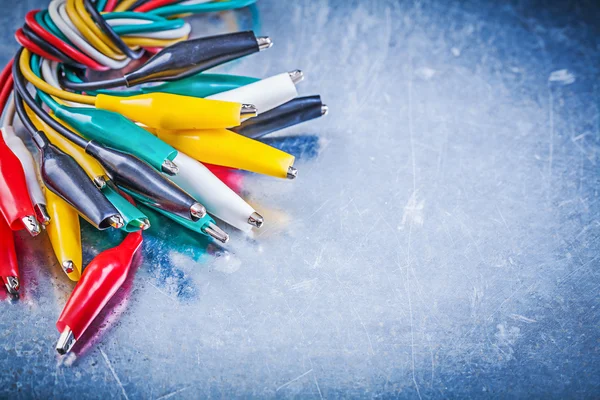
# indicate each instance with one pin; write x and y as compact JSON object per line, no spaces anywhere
{"x":66,"y":341}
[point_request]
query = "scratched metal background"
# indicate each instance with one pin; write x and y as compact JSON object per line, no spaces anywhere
{"x":441,"y":240}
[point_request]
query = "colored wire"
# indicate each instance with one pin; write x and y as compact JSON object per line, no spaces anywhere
{"x":175,"y":33}
{"x":92,"y":36}
{"x":152,"y":4}
{"x":25,"y":69}
{"x":110,"y":5}
{"x":43,"y":18}
{"x":25,"y":120}
{"x":61,"y":45}
{"x":124,"y":5}
{"x":60,"y":17}
{"x":7,"y":83}
{"x":148,"y":42}
{"x":21,"y":89}
{"x":151,"y":23}
{"x":139,"y":3}
{"x":49,"y":74}
{"x":25,"y":41}
{"x":53,"y":51}
{"x":83,"y":14}
{"x":100,"y":4}
{"x":110,"y":33}
{"x":6,"y":91}
{"x":201,"y":8}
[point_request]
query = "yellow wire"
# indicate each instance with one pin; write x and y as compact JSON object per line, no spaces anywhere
{"x":25,"y":64}
{"x":124,"y":5}
{"x":149,"y":42}
{"x":87,"y":19}
{"x":88,"y":34}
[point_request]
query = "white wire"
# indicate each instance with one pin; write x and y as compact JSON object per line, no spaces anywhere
{"x":50,"y":75}
{"x":192,"y":2}
{"x":9,"y":113}
{"x":58,"y":13}
{"x":167,"y":34}
{"x":67,"y":19}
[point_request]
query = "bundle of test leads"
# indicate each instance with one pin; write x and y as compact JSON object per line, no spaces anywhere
{"x":106,"y":146}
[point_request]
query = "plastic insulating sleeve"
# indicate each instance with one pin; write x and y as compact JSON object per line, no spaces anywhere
{"x":65,"y":235}
{"x":29,"y":168}
{"x":133,"y":219}
{"x":15,"y":203}
{"x":62,"y":175}
{"x":226,"y":148}
{"x":171,"y":111}
{"x":8,"y":255}
{"x":102,"y":277}
{"x":91,"y":167}
{"x":140,"y":178}
{"x":192,"y":56}
{"x":209,"y":190}
{"x":116,"y":131}
{"x":200,"y":85}
{"x":265,"y":94}
{"x":299,"y":110}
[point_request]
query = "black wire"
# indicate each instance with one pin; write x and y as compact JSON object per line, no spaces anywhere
{"x":27,"y":123}
{"x":50,"y":49}
{"x":137,"y":4}
{"x":89,"y":86}
{"x":21,"y":89}
{"x":109,"y":31}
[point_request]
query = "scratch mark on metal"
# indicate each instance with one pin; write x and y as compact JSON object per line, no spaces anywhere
{"x":169,"y":395}
{"x":294,"y":380}
{"x":551,"y":122}
{"x":318,"y":388}
{"x":414,"y":171}
{"x":518,"y":317}
{"x":114,"y":374}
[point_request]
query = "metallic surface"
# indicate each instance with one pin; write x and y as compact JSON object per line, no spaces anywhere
{"x":170,"y":167}
{"x":68,"y":266}
{"x":197,"y":211}
{"x":296,"y":75}
{"x":41,"y":213}
{"x":248,"y":110}
{"x":215,"y":232}
{"x":256,"y":220}
{"x":66,"y":341}
{"x":441,"y":240}
{"x":292,"y":173}
{"x":31,"y":225}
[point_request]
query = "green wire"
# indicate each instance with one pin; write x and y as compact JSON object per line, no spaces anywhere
{"x":35,"y":67}
{"x":158,"y":23}
{"x":100,"y":5}
{"x":199,"y":85}
{"x":201,"y":8}
{"x":43,"y":18}
{"x":72,"y":76}
{"x":132,"y":216}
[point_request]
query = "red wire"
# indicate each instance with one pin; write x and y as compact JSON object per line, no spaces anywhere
{"x":152,"y":4}
{"x":110,"y":5}
{"x":6,"y":90}
{"x":26,"y":42}
{"x":6,"y":72}
{"x":62,"y":46}
{"x":6,"y":80}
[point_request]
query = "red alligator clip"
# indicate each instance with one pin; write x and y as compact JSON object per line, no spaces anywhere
{"x":15,"y":203}
{"x":9,"y":269}
{"x":103,"y":276}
